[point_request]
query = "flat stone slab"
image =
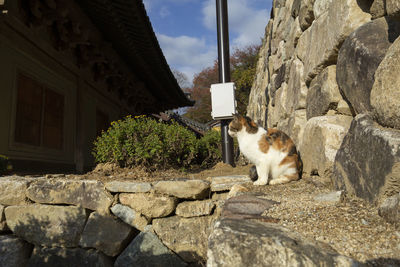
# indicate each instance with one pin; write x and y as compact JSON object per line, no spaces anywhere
{"x":128,"y":187}
{"x":195,"y":208}
{"x":150,"y":205}
{"x":89,"y":194}
{"x":237,"y":243}
{"x":50,"y":257}
{"x":14,"y":252}
{"x":47,"y":225}
{"x":147,"y":250}
{"x":187,"y":189}
{"x":13,"y":190}
{"x":130,"y":216}
{"x":106,"y":234}
{"x":246,"y":207}
{"x":225,"y":183}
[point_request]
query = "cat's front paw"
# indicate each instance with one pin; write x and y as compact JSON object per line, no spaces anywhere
{"x":260,"y":182}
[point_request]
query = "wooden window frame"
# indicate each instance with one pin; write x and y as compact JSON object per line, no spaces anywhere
{"x":45,"y":91}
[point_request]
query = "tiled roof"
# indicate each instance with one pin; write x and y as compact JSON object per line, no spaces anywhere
{"x":125,"y":24}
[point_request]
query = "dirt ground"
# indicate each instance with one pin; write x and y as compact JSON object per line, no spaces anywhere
{"x":111,"y":172}
{"x":352,"y":227}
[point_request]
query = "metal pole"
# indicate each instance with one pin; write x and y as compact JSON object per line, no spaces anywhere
{"x":224,"y":74}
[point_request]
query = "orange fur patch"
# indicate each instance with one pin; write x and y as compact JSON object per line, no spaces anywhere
{"x":289,"y":160}
{"x":293,"y":177}
{"x":263,"y":144}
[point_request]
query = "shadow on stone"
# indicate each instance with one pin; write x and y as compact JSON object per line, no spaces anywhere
{"x":382,"y":262}
{"x":365,"y":5}
{"x":57,"y":231}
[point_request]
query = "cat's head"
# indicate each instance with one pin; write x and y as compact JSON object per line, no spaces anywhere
{"x":242,"y":123}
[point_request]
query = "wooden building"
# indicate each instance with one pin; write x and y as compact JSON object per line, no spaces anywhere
{"x":68,"y":68}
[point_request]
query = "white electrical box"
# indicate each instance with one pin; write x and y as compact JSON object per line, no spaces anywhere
{"x":223,"y":101}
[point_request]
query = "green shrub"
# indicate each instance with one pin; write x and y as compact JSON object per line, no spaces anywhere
{"x":144,"y":141}
{"x":5,"y":165}
{"x":209,"y":148}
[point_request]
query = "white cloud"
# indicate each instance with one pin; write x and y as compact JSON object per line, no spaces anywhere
{"x":246,"y":23}
{"x":187,"y":54}
{"x":191,"y":54}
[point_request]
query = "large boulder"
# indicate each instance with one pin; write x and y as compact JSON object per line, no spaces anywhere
{"x":360,"y":56}
{"x":236,"y":243}
{"x":65,"y":257}
{"x":106,"y":233}
{"x":89,"y":194}
{"x":323,"y":94}
{"x":367,"y":164}
{"x":146,"y":250}
{"x":318,"y":46}
{"x":322,"y":138}
{"x":150,"y":205}
{"x":14,"y":252}
{"x":47,"y":225}
{"x":185,"y":236}
{"x":385,"y":94}
{"x":13,"y":190}
{"x":189,"y":189}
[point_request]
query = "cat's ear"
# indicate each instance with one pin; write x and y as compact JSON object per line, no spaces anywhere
{"x":236,"y":116}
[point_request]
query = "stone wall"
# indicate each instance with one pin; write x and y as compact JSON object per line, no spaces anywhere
{"x":328,"y":75}
{"x":57,"y":221}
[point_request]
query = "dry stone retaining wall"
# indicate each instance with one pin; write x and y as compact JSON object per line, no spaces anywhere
{"x":69,"y":222}
{"x":168,"y":223}
{"x":322,"y":63}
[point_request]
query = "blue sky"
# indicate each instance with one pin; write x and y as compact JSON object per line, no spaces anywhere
{"x":186,"y":29}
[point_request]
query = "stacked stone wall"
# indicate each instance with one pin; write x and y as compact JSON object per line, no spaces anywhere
{"x":328,"y":75}
{"x":59,"y":221}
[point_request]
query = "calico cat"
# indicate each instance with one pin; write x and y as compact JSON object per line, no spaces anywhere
{"x":271,"y":150}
